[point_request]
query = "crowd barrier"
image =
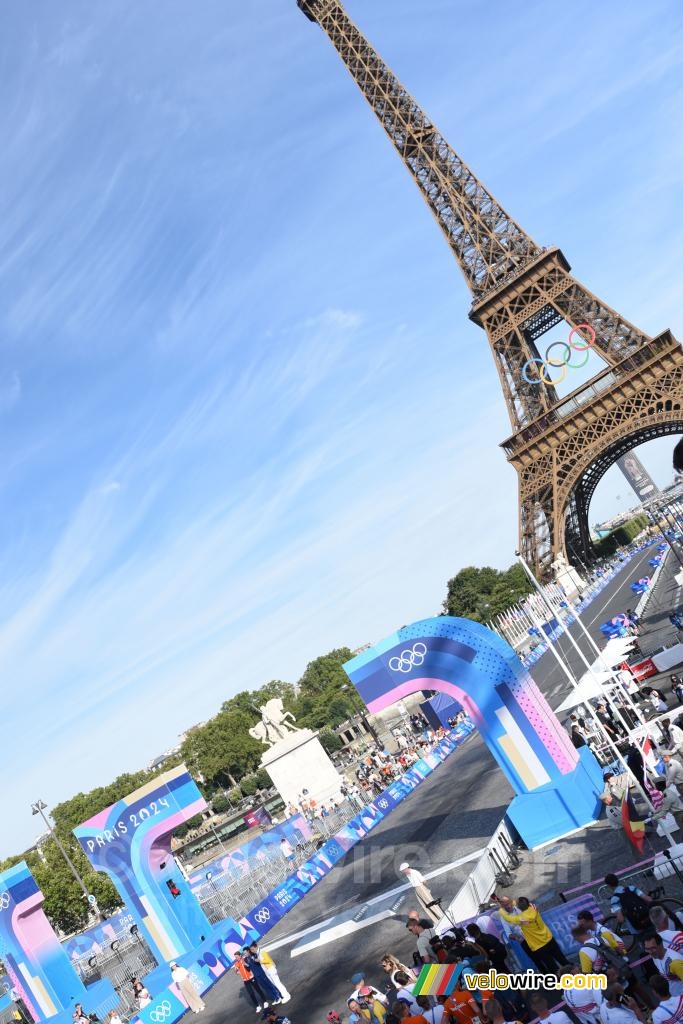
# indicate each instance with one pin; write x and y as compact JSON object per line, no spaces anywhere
{"x":593,"y":591}
{"x":212,"y":959}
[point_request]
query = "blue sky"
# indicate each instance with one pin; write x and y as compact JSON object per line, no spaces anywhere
{"x":243,"y":415}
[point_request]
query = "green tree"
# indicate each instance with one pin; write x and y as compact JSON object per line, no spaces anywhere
{"x":330,"y":741}
{"x":223,"y":746}
{"x":480,"y":593}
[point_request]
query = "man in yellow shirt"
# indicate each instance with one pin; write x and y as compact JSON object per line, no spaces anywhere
{"x":539,"y":941}
{"x":268,"y":965}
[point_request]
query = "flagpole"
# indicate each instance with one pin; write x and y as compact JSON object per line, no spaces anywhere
{"x":600,"y":728}
{"x":574,"y":682}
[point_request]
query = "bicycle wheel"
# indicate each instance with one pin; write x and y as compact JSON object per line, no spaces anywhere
{"x":620,"y":929}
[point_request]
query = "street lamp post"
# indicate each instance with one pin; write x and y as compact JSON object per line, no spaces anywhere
{"x":39,"y":807}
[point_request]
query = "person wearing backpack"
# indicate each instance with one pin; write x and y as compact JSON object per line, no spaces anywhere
{"x":585,"y":917}
{"x":630,"y":904}
{"x":595,"y":955}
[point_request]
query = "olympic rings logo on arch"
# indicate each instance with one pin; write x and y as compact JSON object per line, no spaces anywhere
{"x":563,"y":362}
{"x":161,"y":1012}
{"x":411,"y":658}
{"x":4,"y":901}
{"x":262,"y":915}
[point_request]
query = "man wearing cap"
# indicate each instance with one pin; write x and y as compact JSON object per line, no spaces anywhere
{"x":422,"y":892}
{"x":364,"y":990}
{"x":272,"y":1016}
{"x":673,"y":768}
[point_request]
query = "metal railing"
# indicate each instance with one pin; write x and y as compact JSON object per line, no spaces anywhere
{"x":130,"y":958}
{"x":493,"y":869}
{"x":234,"y":893}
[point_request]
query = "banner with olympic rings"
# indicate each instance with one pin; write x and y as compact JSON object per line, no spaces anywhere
{"x":535,"y":370}
{"x":165,"y":1009}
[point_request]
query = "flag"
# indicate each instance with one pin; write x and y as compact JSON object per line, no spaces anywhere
{"x":656,"y":798}
{"x":651,"y":761}
{"x":633,"y":828}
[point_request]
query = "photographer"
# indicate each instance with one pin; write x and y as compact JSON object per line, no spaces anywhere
{"x":618,"y":1008}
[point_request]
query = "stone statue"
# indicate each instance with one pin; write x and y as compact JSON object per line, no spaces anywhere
{"x":274,"y":724}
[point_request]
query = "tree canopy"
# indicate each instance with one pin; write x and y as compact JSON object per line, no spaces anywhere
{"x":481,"y":593}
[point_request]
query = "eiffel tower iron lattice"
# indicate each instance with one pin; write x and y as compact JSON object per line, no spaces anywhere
{"x":560,"y":447}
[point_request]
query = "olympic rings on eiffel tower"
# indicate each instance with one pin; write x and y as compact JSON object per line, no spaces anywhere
{"x":562,"y":361}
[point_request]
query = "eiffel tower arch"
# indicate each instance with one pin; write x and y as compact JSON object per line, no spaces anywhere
{"x":560,"y":447}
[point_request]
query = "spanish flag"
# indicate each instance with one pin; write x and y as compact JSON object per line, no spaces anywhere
{"x":633,"y":828}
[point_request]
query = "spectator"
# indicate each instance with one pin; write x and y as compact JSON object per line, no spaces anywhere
{"x":272,"y":1016}
{"x":423,"y":932}
{"x":671,"y":803}
{"x":358,"y":979}
{"x":618,"y":1008}
{"x":539,"y":1004}
{"x":662,"y":923}
{"x":404,"y":990}
{"x":576,"y":737}
{"x":668,"y":963}
{"x":251,"y":988}
{"x":541,"y":943}
{"x":491,"y":947}
{"x":630,"y":905}
{"x":674,"y":768}
{"x":586,"y":918}
{"x":268,"y":964}
{"x":286,"y":849}
{"x":594,"y":955}
{"x":461,"y":1006}
{"x":402,"y":1013}
{"x":365,"y":1011}
{"x":677,"y":688}
{"x":493,"y":1011}
{"x":634,"y":760}
{"x":668,"y":1008}
{"x":422,"y":891}
{"x":658,"y":701}
{"x":584,"y":1003}
{"x":432,"y":1014}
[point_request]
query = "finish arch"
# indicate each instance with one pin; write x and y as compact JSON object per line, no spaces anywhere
{"x":556,"y":785}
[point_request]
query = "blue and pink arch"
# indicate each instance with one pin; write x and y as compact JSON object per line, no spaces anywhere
{"x":557,"y":786}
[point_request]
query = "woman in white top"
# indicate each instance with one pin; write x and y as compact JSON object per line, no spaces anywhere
{"x":181,"y":977}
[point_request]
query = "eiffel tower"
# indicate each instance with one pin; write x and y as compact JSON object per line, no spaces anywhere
{"x":560,"y":447}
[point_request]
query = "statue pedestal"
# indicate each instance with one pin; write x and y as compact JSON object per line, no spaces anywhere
{"x":568,"y":578}
{"x":297,"y":762}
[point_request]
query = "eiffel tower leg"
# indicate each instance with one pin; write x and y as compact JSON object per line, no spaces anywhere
{"x":537,"y":527}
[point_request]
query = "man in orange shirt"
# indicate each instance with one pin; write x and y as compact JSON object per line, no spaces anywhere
{"x":461,"y":1007}
{"x":251,"y":986}
{"x":402,"y":1012}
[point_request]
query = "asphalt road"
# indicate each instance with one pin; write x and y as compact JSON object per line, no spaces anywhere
{"x":450,"y":816}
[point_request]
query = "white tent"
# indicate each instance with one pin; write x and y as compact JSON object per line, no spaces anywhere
{"x":590,"y":686}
